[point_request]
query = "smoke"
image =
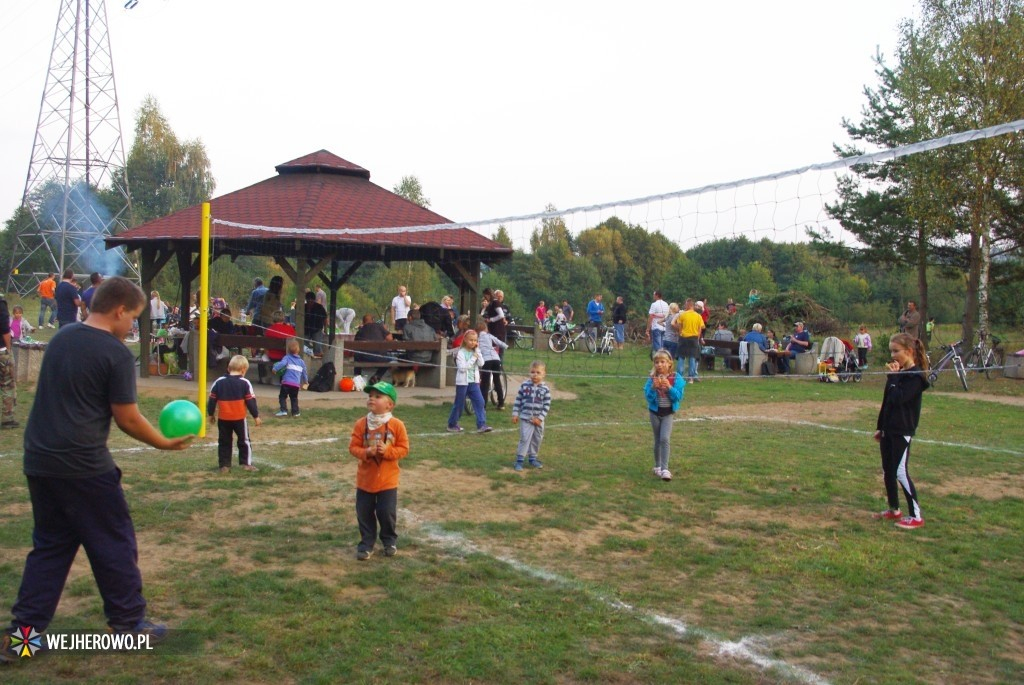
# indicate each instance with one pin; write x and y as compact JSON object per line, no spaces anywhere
{"x":88,"y":221}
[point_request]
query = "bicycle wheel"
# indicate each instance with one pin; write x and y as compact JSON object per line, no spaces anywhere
{"x":591,"y":342}
{"x":523,"y":342}
{"x":961,"y":372}
{"x":998,"y":362}
{"x":990,"y":364}
{"x":558,"y":342}
{"x":973,"y":361}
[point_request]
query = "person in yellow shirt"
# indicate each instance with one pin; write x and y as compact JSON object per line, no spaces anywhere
{"x":691,"y":328}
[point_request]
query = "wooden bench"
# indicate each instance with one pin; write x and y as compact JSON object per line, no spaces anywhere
{"x":247,"y":346}
{"x":428,"y":374}
{"x":728,"y":350}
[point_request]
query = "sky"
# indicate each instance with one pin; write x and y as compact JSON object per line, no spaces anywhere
{"x":498,"y":110}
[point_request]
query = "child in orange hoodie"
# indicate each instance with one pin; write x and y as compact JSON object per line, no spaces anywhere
{"x":378,"y":441}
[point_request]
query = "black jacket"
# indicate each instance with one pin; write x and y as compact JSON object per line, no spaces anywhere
{"x":901,"y":403}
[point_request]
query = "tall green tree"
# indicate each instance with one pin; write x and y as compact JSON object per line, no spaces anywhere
{"x":164,"y":173}
{"x":959,"y":67}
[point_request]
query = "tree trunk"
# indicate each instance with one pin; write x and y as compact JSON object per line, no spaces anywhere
{"x":922,"y":278}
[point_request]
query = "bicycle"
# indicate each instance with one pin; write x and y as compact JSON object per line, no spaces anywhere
{"x":953,"y":357}
{"x":606,"y":343}
{"x":562,"y":340}
{"x":517,"y":338}
{"x":492,"y":391}
{"x":985,"y":357}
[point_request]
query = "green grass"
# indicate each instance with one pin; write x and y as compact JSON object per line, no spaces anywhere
{"x":571,"y":574}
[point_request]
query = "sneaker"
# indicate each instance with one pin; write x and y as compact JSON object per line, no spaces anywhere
{"x":454,"y":429}
{"x":500,"y":407}
{"x":281,"y":413}
{"x":484,"y":429}
{"x":364,"y":554}
{"x":155,"y":631}
{"x":390,"y":551}
{"x":9,"y":424}
{"x":249,"y":467}
{"x":908,"y":522}
{"x":7,"y":654}
{"x":893,"y":514}
{"x":50,"y":325}
{"x":297,"y":414}
{"x":518,"y":466}
{"x":225,"y":469}
{"x":536,"y":464}
{"x":657,"y":472}
{"x":666,"y":474}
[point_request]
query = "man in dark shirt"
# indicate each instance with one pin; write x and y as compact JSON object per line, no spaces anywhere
{"x":313,"y":323}
{"x":86,"y":380}
{"x":69,"y":302}
{"x":371,"y":331}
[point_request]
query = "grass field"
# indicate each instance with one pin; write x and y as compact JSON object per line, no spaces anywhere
{"x":758,"y":563}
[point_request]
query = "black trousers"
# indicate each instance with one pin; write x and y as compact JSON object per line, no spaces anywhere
{"x":290,"y":393}
{"x":373,"y":509}
{"x":68,"y":513}
{"x":226,"y":431}
{"x":492,"y":370}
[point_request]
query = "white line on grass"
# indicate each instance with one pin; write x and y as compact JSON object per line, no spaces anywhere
{"x":591,"y":424}
{"x":747,"y":649}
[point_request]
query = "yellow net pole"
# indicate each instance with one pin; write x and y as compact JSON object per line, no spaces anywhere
{"x":204,"y":285}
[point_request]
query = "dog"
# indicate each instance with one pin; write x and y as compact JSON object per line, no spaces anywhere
{"x":405,"y":378}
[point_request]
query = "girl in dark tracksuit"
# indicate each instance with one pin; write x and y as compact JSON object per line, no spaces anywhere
{"x":897,"y":422}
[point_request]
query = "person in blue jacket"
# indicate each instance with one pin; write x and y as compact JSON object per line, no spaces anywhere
{"x":664,"y":392}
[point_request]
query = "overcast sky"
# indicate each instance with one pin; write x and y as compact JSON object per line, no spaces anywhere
{"x":497,"y":109}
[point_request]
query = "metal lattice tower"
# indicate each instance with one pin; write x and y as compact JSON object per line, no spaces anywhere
{"x":76,"y":191}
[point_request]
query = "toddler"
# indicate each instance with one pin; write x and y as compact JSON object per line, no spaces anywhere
{"x":230,"y":397}
{"x":862,"y":341}
{"x":294,"y":376}
{"x":378,"y":441}
{"x":532,"y":404}
{"x":20,"y":328}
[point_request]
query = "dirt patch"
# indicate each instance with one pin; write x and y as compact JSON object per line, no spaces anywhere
{"x":993,"y":487}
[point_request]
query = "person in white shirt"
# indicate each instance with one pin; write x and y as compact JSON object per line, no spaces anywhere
{"x":400,"y":305}
{"x":656,"y":317}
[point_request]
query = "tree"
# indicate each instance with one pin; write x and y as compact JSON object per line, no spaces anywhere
{"x":164,"y":174}
{"x":409,"y":188}
{"x":960,"y":67}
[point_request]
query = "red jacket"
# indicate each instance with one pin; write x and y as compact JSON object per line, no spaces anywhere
{"x":377,"y":475}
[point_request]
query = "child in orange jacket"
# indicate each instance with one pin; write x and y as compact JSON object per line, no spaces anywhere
{"x":378,"y":441}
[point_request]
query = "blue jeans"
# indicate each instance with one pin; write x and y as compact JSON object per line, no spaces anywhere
{"x":473,"y":390}
{"x":45,"y":302}
{"x":672,"y":347}
{"x":620,"y":333}
{"x":657,"y":338}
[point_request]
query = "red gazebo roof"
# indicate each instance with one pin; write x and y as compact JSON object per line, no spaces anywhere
{"x":315,"y":204}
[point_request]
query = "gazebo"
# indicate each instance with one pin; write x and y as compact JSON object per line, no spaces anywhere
{"x":320,"y":216}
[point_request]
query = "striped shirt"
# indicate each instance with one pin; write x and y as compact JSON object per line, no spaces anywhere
{"x":230,"y":396}
{"x":532,"y":401}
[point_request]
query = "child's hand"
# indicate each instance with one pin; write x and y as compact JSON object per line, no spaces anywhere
{"x":515,"y":419}
{"x":537,"y":421}
{"x":878,"y":436}
{"x":259,"y":421}
{"x":305,"y":386}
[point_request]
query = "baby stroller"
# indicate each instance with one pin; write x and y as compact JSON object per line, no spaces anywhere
{"x":837,"y":362}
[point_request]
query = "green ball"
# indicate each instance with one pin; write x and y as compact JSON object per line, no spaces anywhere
{"x":180,"y":418}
